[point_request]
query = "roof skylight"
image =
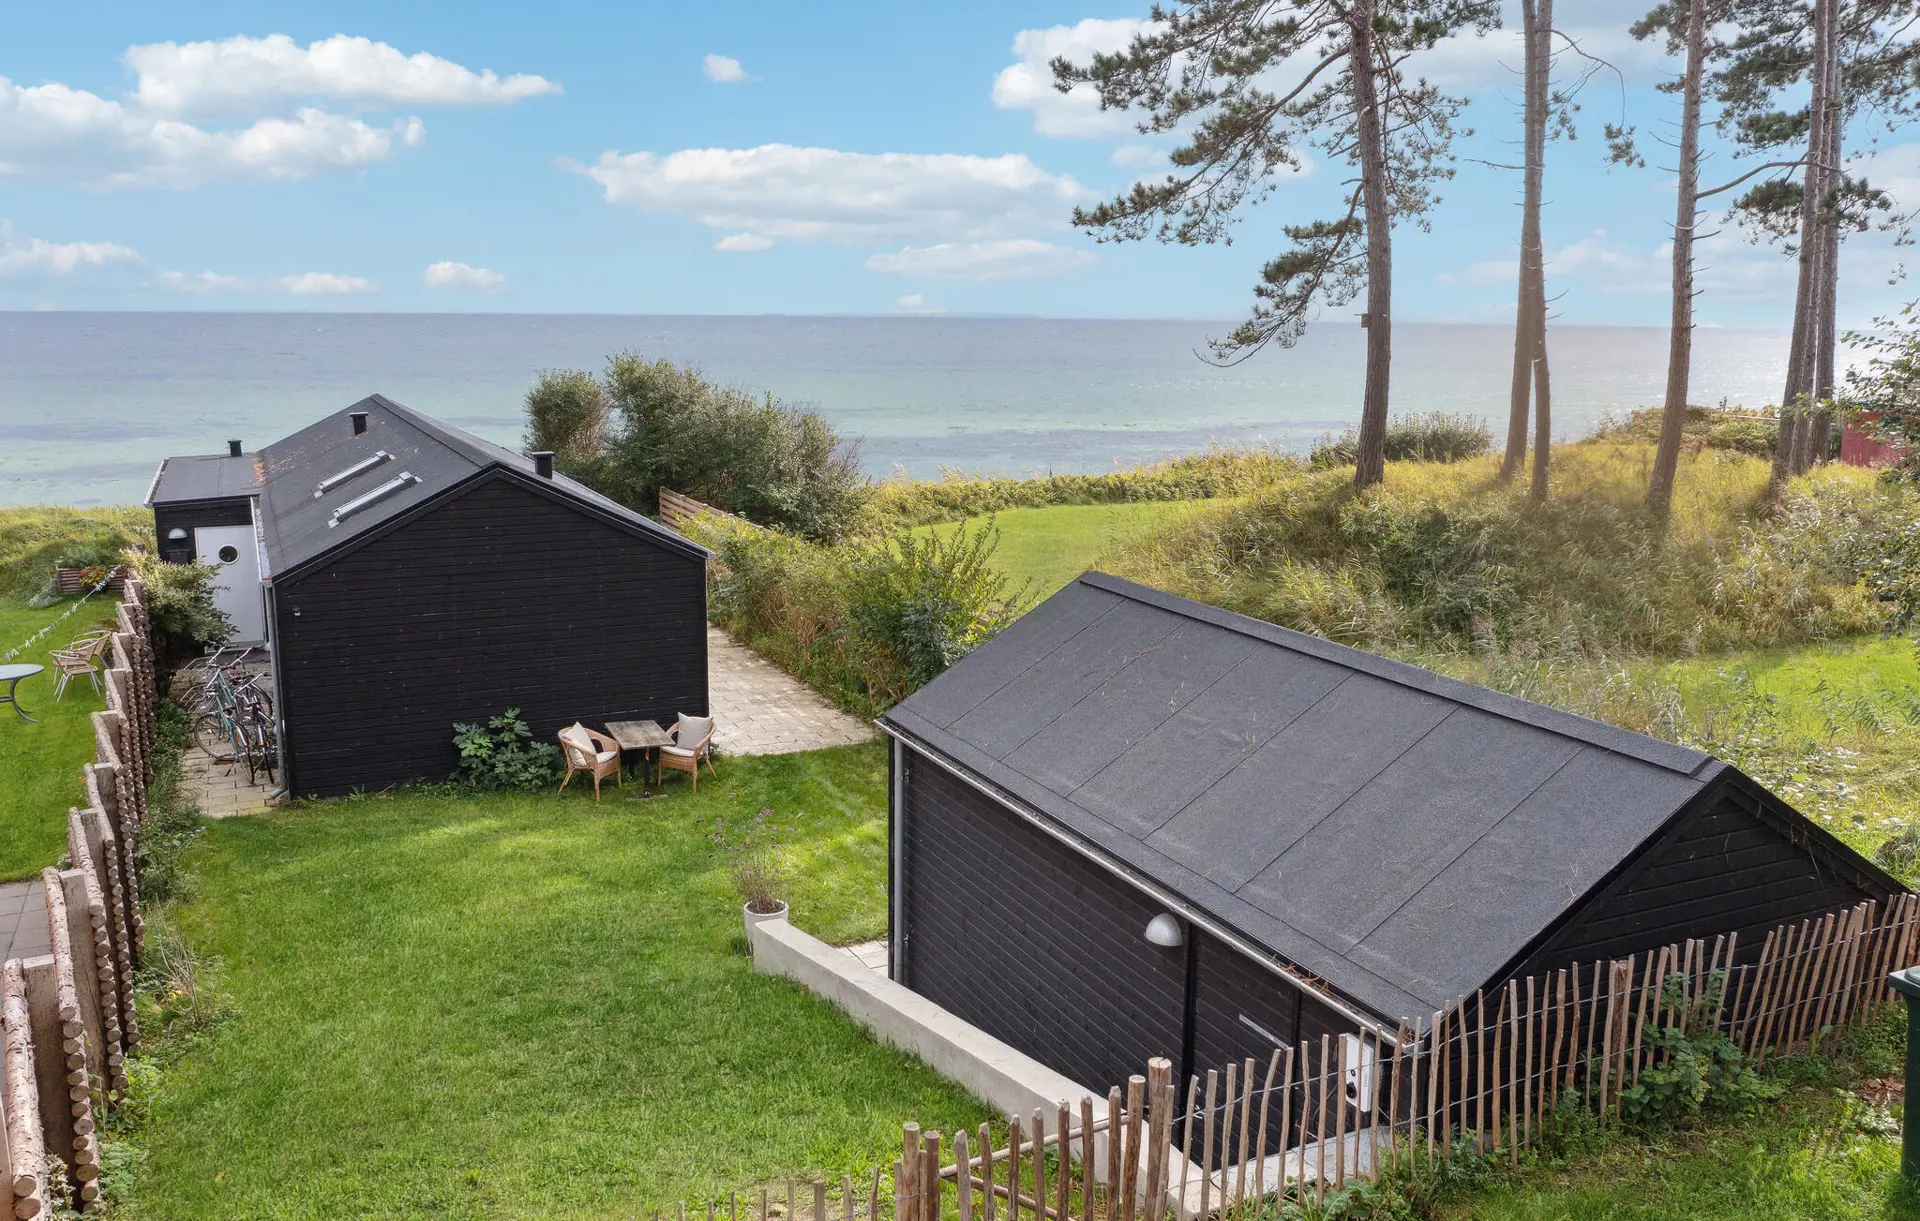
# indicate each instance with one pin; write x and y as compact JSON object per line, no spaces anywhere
{"x":361,"y":503}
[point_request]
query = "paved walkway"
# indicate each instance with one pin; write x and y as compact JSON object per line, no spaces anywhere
{"x":23,"y":921}
{"x":220,"y":788}
{"x":763,"y":710}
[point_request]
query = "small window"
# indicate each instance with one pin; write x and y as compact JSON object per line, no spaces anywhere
{"x":229,"y":554}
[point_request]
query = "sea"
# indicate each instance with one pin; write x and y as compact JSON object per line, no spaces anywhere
{"x":90,"y":402}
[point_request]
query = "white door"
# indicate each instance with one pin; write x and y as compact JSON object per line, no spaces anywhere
{"x":237,"y":592}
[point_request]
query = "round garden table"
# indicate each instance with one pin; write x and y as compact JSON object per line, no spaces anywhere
{"x":11,"y":675}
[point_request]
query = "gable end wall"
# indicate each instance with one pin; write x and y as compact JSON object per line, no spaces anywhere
{"x":496,"y":597}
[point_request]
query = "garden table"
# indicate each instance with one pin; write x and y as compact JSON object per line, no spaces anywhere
{"x":641,"y":736}
{"x":11,"y":675}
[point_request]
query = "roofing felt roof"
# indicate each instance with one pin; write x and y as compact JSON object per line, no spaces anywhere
{"x":1400,"y":834}
{"x":436,"y":456}
{"x":209,"y":477}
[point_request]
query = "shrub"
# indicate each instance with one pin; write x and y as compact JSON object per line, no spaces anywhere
{"x":1707,"y":427}
{"x":1693,"y":1066}
{"x":650,"y":424}
{"x":180,"y":608}
{"x":929,"y":600}
{"x":864,"y":622}
{"x":502,"y":755}
{"x":1438,"y":436}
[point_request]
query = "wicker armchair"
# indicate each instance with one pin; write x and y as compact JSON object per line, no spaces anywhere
{"x":693,"y":742}
{"x":590,"y":752}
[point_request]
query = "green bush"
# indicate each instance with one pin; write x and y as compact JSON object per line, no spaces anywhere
{"x":1438,"y":436}
{"x":1709,"y":427}
{"x":1693,"y":1067}
{"x":180,"y":608}
{"x":502,"y":755}
{"x":864,"y":622}
{"x":644,"y":425}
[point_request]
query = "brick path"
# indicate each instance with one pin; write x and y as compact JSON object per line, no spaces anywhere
{"x":763,"y":710}
{"x":23,"y":921}
{"x":221,"y":789}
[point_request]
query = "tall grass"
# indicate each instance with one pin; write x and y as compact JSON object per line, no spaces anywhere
{"x":1445,"y":557}
{"x":34,"y":537}
{"x":1218,"y":471}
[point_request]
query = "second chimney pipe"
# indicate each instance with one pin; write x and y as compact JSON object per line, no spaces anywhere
{"x":543,"y":463}
{"x":233,"y":449}
{"x":359,"y":419}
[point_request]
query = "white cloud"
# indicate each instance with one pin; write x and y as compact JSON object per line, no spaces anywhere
{"x":723,"y":68}
{"x":744,"y":243}
{"x":462,"y":275}
{"x":1028,"y":84}
{"x":917,"y":306}
{"x":323,"y":283}
{"x":32,"y":256}
{"x":822,"y":194}
{"x":998,"y":261}
{"x":1470,"y":62}
{"x":241,"y":74}
{"x":72,"y":136}
{"x":199,"y":282}
{"x":1726,"y":267}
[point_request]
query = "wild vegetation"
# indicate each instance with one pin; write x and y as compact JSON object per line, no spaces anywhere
{"x":647,"y":424}
{"x":36,"y":538}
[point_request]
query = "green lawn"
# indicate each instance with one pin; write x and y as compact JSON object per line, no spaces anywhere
{"x":1051,"y":546}
{"x":40,"y":763}
{"x":458,"y":1006}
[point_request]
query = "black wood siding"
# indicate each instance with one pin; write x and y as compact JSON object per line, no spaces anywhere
{"x":1724,"y":866}
{"x":1025,"y":938}
{"x":191,"y":513}
{"x":497,"y":597}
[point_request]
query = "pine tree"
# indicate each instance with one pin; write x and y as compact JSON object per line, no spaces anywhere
{"x":1207,"y":65}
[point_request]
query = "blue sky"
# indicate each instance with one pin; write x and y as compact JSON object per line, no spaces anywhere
{"x":850,"y":158}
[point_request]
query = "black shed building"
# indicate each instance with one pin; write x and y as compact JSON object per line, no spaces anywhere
{"x":411,"y":575}
{"x":1336,"y":839}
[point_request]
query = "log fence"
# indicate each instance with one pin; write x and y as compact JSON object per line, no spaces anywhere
{"x":67,"y":1019}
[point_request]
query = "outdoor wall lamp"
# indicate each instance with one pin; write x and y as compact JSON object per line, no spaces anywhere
{"x":1164,"y":930}
{"x":177,"y":535}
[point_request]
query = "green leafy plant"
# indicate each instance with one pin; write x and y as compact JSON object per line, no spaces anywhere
{"x":502,"y":755}
{"x":1693,"y":1067}
{"x":929,"y":600}
{"x":756,"y":860}
{"x":180,"y":607}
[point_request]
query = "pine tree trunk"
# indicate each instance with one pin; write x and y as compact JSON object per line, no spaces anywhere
{"x":1797,"y":395}
{"x":1524,"y":343}
{"x":1370,"y":461}
{"x":1825,"y":337}
{"x":1666,"y":459}
{"x":1542,"y":60}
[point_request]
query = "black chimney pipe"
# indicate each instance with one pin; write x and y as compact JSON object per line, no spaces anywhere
{"x":233,"y":449}
{"x":542,"y":463}
{"x":359,"y":419}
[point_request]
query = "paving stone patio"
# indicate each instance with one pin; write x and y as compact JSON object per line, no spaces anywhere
{"x":220,"y":788}
{"x":23,"y":921}
{"x":763,"y":710}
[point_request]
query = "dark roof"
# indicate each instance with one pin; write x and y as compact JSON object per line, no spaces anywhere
{"x":1400,"y":834}
{"x":435,"y":456}
{"x":209,"y":477}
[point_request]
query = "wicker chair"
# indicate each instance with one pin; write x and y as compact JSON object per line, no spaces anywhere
{"x":693,"y":742}
{"x":590,"y":752}
{"x":78,"y":658}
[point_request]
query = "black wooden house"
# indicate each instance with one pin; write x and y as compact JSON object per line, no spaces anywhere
{"x":1133,"y":825}
{"x":407,"y":575}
